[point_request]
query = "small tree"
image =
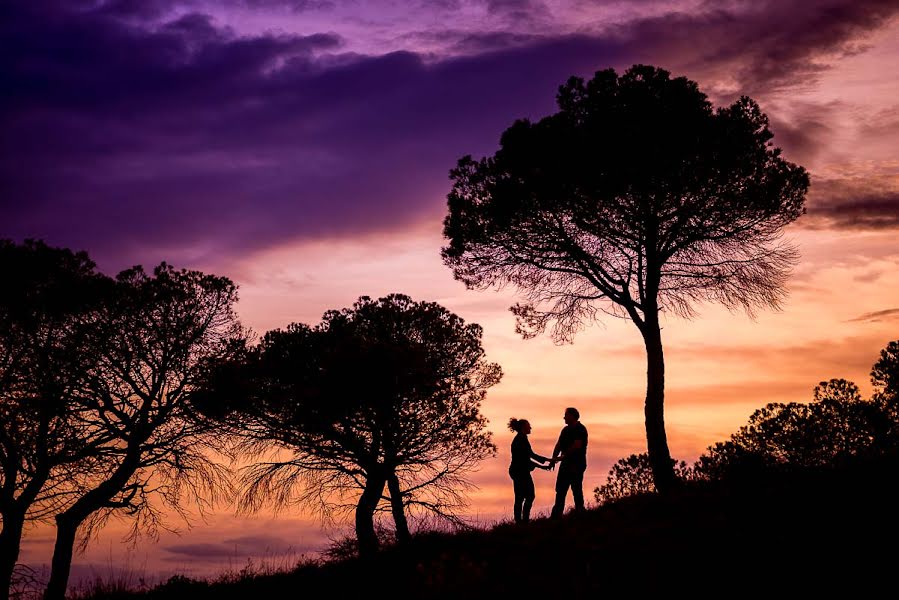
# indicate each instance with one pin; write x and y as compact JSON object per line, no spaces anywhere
{"x":635,"y":199}
{"x":154,"y":334}
{"x":47,"y":298}
{"x":631,"y":476}
{"x":386,"y":393}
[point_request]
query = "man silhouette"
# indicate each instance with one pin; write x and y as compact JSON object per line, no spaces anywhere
{"x":571,"y":450}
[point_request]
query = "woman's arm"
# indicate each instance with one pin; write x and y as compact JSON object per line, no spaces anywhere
{"x":538,"y":457}
{"x":535,"y":456}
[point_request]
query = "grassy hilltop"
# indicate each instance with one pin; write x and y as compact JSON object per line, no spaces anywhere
{"x":797,"y":533}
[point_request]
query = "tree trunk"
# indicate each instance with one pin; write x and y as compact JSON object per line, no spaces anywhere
{"x":67,"y":522}
{"x":61,"y":564}
{"x":10,"y":541}
{"x":366,"y":538}
{"x":654,"y":410}
{"x":399,"y":514}
{"x":14,"y":525}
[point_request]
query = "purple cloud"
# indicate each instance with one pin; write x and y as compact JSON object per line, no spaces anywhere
{"x":853,"y":204}
{"x":763,"y":46}
{"x":152,"y":9}
{"x":805,"y":136}
{"x":152,"y":138}
{"x":525,"y":11}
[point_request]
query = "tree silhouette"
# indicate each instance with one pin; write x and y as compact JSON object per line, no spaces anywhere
{"x":46,"y":298}
{"x":885,"y":372}
{"x":836,"y":390}
{"x":386,"y":393}
{"x":836,"y":427}
{"x":885,"y":379}
{"x":636,"y":198}
{"x":153,"y":335}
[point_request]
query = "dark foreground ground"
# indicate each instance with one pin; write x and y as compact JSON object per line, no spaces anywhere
{"x":800,"y":534}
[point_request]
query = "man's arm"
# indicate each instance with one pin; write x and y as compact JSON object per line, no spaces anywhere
{"x":557,"y":449}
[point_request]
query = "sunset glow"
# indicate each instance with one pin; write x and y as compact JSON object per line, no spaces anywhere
{"x":302,"y":148}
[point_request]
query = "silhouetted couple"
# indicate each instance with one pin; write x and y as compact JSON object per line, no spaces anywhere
{"x":570,"y":451}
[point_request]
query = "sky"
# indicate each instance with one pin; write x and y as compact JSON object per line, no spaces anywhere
{"x":302,"y":148}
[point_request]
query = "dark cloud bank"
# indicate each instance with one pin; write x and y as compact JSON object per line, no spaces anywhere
{"x":141,"y":137}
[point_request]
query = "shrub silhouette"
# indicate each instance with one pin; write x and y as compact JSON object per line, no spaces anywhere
{"x":632,"y":475}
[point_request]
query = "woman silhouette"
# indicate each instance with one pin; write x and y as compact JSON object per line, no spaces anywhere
{"x":523,"y":462}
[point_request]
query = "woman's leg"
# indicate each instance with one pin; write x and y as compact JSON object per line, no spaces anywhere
{"x":520,"y":493}
{"x":528,"y":500}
